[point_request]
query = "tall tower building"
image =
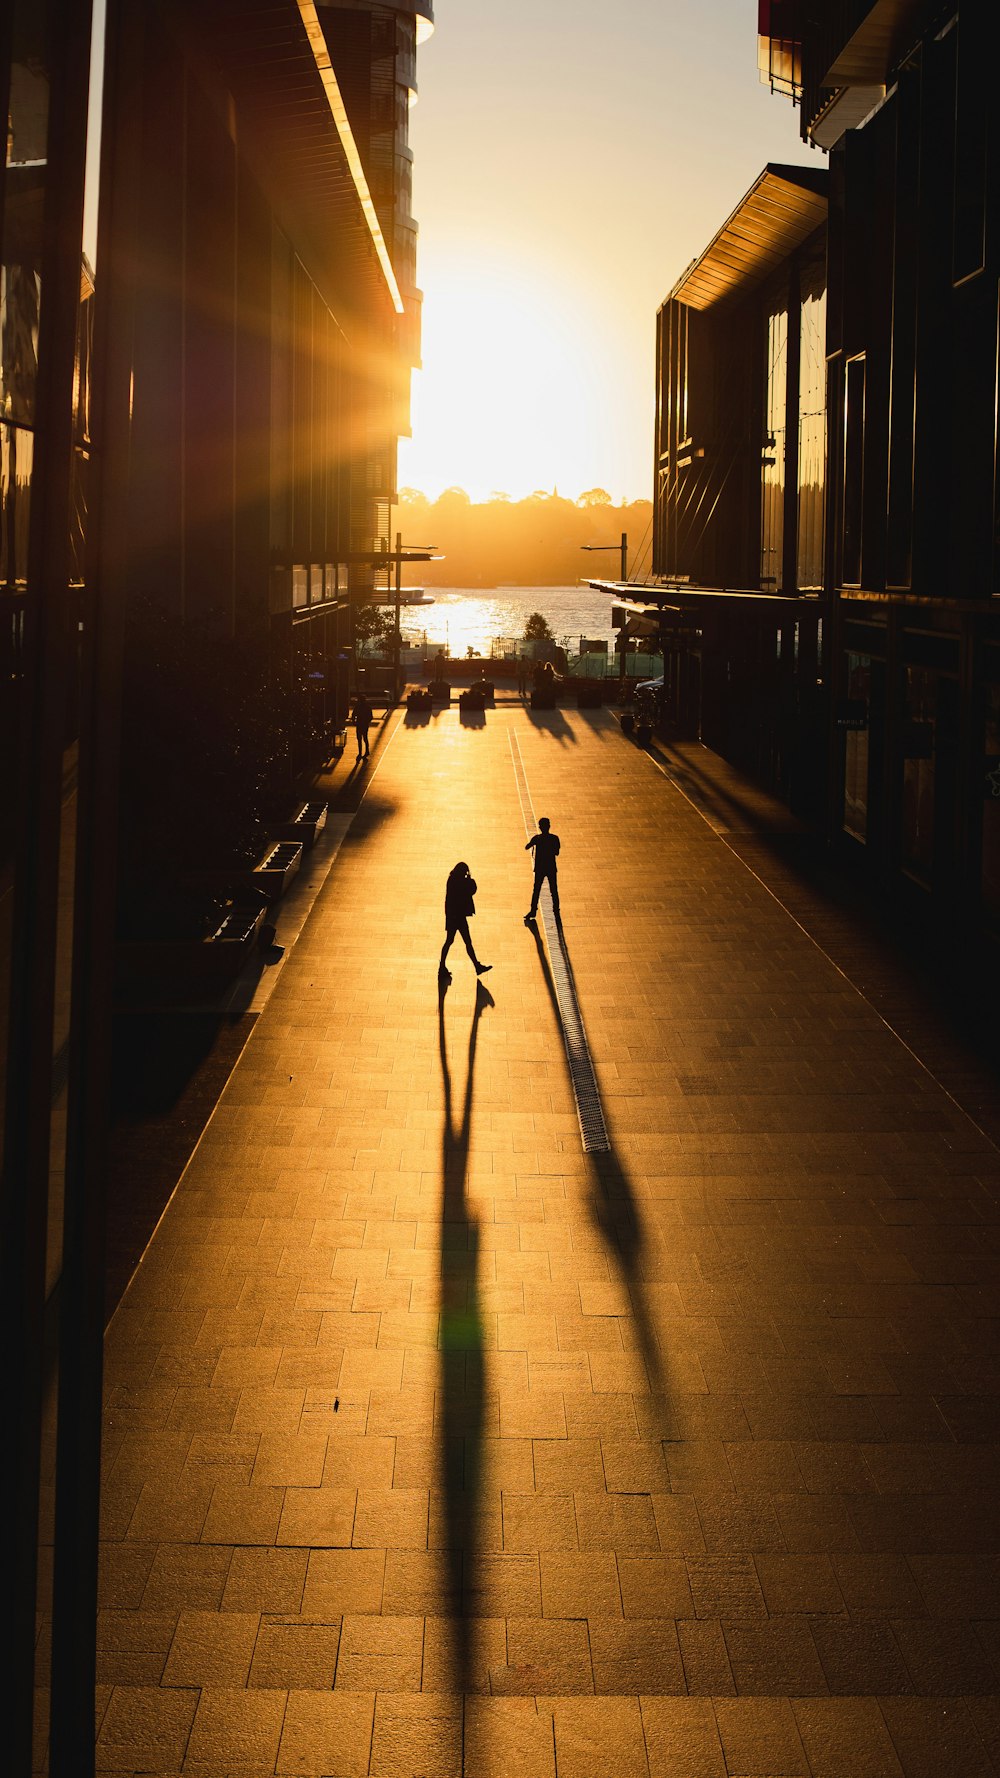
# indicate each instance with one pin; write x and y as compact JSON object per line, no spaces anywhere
{"x":373,"y":48}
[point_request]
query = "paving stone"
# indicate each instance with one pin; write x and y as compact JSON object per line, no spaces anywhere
{"x":845,"y":1735}
{"x":326,"y":1730}
{"x":546,"y":1656}
{"x":211,"y":1648}
{"x":504,"y":1735}
{"x":580,"y":1586}
{"x":682,"y":1737}
{"x":264,"y":1580}
{"x":935,"y":1735}
{"x":380,"y":1654}
{"x":296,"y":1653}
{"x":598,"y":1737}
{"x":235,"y":1727}
{"x":417,"y":1734}
{"x":635,"y":1656}
{"x":760,"y":1737}
{"x":145,"y":1728}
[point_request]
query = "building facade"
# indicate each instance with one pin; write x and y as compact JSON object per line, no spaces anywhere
{"x":208,"y":316}
{"x":898,"y":536}
{"x":740,"y":476}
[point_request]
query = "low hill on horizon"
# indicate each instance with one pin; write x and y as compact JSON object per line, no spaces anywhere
{"x":538,"y":541}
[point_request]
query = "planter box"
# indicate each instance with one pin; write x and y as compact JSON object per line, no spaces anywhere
{"x":589,"y":696}
{"x":543,"y":700}
{"x":276,"y":869}
{"x":189,"y":964}
{"x":440,"y":691}
{"x":306,"y":824}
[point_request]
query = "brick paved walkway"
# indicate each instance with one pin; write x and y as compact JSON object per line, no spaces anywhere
{"x":676,"y":1460}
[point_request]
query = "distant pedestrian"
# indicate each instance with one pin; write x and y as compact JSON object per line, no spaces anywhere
{"x":522,"y":675}
{"x":363,"y":714}
{"x":459,"y":907}
{"x":544,"y":845}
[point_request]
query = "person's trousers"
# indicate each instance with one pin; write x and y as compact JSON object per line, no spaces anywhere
{"x":362,"y":740}
{"x":540,"y":878}
{"x":461,"y":927}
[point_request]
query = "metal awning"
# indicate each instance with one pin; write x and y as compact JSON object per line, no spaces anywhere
{"x":644,"y":594}
{"x":781,"y":210}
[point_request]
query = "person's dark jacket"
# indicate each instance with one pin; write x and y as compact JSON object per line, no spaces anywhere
{"x":458,"y":902}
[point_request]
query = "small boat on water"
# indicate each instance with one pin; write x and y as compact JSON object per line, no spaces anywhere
{"x":410,"y":595}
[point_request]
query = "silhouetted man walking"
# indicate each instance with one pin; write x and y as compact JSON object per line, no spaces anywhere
{"x":459,"y":908}
{"x":545,"y":847}
{"x":363,"y":714}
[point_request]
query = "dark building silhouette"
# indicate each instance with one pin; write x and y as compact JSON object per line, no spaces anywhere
{"x":740,"y":477}
{"x":208,"y":315}
{"x":862,"y":495}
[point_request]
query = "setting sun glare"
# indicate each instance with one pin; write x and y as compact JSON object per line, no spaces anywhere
{"x":509,"y":371}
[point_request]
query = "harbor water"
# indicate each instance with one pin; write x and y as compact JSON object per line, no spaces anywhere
{"x":465,"y":617}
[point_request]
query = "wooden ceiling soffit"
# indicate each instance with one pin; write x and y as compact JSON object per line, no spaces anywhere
{"x":779,"y":212}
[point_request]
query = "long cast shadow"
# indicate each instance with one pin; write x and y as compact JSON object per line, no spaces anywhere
{"x":461,"y":1340}
{"x":551,"y":722}
{"x":615,"y":1210}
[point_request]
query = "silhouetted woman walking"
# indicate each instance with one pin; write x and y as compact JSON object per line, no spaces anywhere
{"x":459,"y":908}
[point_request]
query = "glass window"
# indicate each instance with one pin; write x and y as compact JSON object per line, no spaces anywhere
{"x":972,"y":103}
{"x":856,"y":746}
{"x":919,"y":734}
{"x":17,"y":452}
{"x":773,"y":455}
{"x":812,"y":430}
{"x":990,"y":868}
{"x":854,"y":468}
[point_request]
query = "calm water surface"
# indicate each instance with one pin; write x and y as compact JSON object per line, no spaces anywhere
{"x":465,"y":617}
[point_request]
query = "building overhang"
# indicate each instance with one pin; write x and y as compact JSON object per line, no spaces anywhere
{"x":870,"y":53}
{"x":272,"y":58}
{"x":338,"y":111}
{"x":845,"y":110}
{"x":640,"y":595}
{"x":783,"y":207}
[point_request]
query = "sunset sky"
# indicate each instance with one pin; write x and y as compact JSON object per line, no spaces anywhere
{"x":571,"y":158}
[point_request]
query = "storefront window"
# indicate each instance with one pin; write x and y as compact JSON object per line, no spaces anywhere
{"x":812,"y":430}
{"x":773,"y":453}
{"x":854,"y":469}
{"x":856,"y":722}
{"x":919,"y":734}
{"x":990,"y":877}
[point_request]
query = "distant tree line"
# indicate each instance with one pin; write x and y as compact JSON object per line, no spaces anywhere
{"x":532,"y":542}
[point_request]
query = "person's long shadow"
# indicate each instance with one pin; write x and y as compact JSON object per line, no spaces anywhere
{"x":551,"y":722}
{"x":615,"y":1210}
{"x":461,"y":1341}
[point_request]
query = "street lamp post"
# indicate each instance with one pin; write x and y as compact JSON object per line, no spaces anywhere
{"x":621,"y":545}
